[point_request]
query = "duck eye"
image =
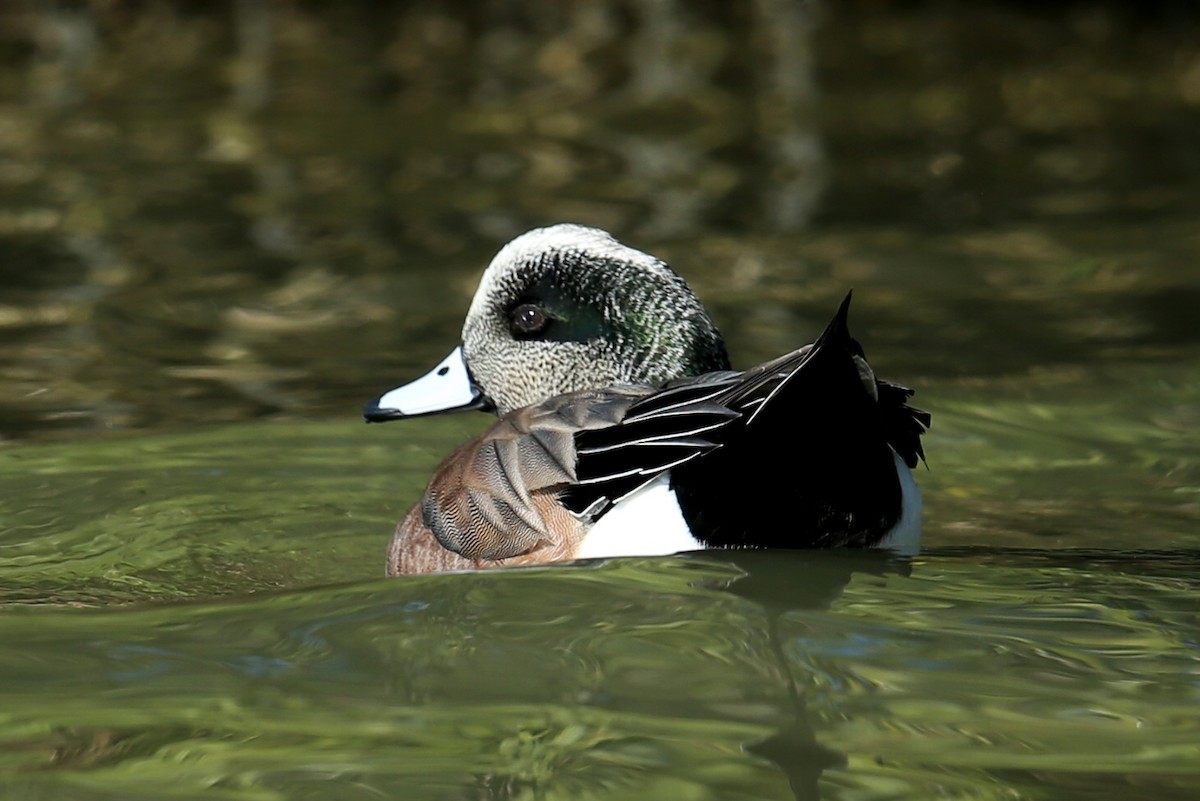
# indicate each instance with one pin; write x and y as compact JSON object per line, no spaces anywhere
{"x":528,"y":319}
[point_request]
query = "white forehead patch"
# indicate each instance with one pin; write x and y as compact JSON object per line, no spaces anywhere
{"x":562,"y":238}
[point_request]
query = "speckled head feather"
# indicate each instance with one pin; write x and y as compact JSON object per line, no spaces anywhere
{"x":567,"y":308}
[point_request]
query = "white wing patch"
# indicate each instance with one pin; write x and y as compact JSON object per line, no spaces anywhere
{"x":645,"y":523}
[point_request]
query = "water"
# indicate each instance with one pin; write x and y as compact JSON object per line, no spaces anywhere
{"x":222,"y":231}
{"x":986,"y":674}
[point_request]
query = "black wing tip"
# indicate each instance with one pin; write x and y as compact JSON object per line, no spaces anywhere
{"x":844,"y":308}
{"x":837,"y":332}
{"x":838,"y":329}
{"x":904,"y":424}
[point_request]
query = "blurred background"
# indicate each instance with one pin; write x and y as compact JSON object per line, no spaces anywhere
{"x":216,"y":211}
{"x":225,"y":226}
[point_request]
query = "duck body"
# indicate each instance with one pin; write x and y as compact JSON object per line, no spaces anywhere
{"x":622,"y":431}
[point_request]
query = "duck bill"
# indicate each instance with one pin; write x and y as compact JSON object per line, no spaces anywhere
{"x":446,"y":388}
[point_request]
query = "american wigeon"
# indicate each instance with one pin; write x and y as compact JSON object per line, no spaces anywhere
{"x":623,"y":432}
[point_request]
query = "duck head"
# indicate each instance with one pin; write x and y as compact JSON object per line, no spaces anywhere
{"x":562,"y":309}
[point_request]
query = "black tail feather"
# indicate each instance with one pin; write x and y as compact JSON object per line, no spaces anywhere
{"x":903,"y":424}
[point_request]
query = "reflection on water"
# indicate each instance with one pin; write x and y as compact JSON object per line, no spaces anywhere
{"x":790,"y":676}
{"x":740,"y":675}
{"x":221,"y":223}
{"x":222,"y":181}
{"x":222,"y":213}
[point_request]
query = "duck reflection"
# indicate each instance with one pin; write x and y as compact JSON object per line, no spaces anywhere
{"x":666,"y":675}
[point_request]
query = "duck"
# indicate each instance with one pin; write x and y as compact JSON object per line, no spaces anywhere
{"x":622,"y":429}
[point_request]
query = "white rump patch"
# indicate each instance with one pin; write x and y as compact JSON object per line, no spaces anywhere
{"x":905,"y":536}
